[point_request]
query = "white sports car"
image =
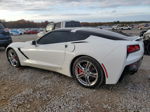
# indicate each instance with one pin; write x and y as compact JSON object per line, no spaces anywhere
{"x":92,"y":56}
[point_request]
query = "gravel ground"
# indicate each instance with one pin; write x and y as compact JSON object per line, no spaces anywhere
{"x":34,"y":90}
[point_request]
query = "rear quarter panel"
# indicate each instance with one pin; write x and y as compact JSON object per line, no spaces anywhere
{"x":108,"y":52}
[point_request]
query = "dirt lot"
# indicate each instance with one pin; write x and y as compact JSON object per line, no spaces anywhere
{"x":34,"y":90}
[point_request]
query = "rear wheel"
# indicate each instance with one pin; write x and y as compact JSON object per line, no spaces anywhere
{"x":88,"y":72}
{"x":13,"y":58}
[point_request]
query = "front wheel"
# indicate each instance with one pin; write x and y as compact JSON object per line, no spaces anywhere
{"x":88,"y":72}
{"x":13,"y":58}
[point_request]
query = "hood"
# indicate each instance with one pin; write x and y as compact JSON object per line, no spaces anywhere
{"x":16,"y":44}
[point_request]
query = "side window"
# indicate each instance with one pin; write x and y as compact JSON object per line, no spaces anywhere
{"x":62,"y":36}
{"x":80,"y":36}
{"x":45,"y":39}
{"x":54,"y":37}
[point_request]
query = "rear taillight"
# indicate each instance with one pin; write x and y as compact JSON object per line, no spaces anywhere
{"x":133,"y":48}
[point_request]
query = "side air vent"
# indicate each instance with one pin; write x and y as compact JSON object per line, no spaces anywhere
{"x":23,"y":53}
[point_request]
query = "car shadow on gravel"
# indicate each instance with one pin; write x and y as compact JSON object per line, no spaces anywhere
{"x":146,"y":54}
{"x":52,"y":76}
{"x":44,"y":72}
{"x":65,"y":80}
{"x":121,"y":83}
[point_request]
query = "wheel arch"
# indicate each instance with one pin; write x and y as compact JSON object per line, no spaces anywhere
{"x":75,"y":58}
{"x":8,"y":50}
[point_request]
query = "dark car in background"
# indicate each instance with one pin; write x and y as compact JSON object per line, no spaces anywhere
{"x":5,"y":38}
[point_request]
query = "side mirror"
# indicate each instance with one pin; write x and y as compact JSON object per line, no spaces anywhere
{"x":33,"y":42}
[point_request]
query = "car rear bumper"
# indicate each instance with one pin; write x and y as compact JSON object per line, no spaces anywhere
{"x":134,"y":67}
{"x":131,"y":69}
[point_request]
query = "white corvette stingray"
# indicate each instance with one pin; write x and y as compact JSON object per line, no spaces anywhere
{"x":92,"y":56}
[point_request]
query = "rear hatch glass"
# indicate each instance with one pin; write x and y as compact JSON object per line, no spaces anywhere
{"x":109,"y":34}
{"x":127,"y":36}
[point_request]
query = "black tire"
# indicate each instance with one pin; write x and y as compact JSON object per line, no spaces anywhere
{"x":17,"y":63}
{"x":148,"y":48}
{"x":100,"y":77}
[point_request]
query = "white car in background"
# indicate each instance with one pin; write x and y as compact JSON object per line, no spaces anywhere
{"x":126,"y":28}
{"x":121,"y":27}
{"x":92,"y":56}
{"x":105,"y":27}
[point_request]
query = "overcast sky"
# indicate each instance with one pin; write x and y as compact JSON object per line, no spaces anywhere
{"x":82,"y":10}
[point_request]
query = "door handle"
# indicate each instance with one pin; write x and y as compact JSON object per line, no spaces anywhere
{"x":66,"y":46}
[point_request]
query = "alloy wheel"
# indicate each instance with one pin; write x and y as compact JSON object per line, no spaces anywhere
{"x":12,"y":57}
{"x":86,"y":73}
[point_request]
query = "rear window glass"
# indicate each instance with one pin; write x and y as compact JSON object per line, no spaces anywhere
{"x":106,"y":34}
{"x":73,"y":24}
{"x":1,"y":26}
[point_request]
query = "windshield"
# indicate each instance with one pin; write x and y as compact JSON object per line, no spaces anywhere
{"x":1,"y":26}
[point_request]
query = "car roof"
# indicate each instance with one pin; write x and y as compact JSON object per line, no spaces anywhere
{"x":97,"y":32}
{"x":91,"y":30}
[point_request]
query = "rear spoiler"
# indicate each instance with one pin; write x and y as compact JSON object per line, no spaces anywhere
{"x":137,"y":38}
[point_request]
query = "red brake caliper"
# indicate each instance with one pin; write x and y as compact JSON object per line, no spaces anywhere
{"x":80,"y":71}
